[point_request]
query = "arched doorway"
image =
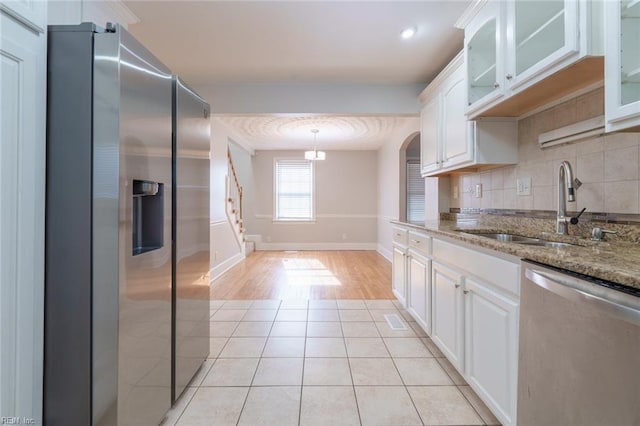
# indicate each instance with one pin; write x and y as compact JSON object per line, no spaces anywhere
{"x":412,"y":186}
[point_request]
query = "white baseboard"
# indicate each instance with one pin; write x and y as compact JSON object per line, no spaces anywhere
{"x":384,"y":252}
{"x":223,"y":267}
{"x":253,"y":237}
{"x":315,"y":246}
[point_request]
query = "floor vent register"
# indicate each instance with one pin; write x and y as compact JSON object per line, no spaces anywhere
{"x":395,"y":322}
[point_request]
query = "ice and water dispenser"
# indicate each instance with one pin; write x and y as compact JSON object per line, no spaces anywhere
{"x":148,"y":216}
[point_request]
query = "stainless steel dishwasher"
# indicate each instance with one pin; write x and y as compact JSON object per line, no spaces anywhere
{"x":579,"y":361}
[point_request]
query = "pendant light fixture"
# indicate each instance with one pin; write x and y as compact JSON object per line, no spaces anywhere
{"x":315,"y":155}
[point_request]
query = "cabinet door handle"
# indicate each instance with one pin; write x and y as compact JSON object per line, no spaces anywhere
{"x":457,"y":285}
{"x":509,"y":76}
{"x":496,"y":85}
{"x":465,"y":291}
{"x":415,"y":241}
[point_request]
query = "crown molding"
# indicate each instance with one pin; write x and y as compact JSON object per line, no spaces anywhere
{"x":469,"y":13}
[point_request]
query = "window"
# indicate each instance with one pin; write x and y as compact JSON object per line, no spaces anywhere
{"x":293,"y":190}
{"x":415,"y":193}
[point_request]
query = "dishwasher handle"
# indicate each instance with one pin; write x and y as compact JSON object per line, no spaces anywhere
{"x":615,"y":303}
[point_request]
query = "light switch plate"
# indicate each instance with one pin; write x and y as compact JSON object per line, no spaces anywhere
{"x":478,"y":193}
{"x":523,"y":185}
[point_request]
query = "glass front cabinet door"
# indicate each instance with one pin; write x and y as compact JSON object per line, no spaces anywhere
{"x":622,"y":64}
{"x":484,"y":56}
{"x":540,"y":34}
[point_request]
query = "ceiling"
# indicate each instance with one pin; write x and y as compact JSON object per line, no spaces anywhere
{"x":302,"y":42}
{"x":294,"y":132}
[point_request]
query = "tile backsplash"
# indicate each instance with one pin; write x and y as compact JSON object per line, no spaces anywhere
{"x":608,"y":166}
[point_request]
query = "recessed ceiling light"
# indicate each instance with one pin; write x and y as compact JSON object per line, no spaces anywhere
{"x":408,"y":33}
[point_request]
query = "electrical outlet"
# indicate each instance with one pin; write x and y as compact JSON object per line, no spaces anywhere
{"x":455,"y":192}
{"x":523,"y":185}
{"x":344,"y":236}
{"x":478,"y":192}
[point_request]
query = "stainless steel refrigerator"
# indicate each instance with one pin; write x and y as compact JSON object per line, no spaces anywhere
{"x":109,"y":274}
{"x":191,"y":146}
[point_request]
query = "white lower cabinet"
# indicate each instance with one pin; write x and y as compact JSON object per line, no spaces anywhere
{"x":491,"y":347}
{"x":399,"y":274}
{"x":467,"y":300}
{"x":419,"y":304}
{"x":448,"y":313}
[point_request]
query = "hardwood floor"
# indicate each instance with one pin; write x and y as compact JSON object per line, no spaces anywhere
{"x":307,"y":275}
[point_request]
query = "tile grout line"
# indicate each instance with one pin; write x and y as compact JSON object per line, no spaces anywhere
{"x":185,"y":407}
{"x":244,"y":403}
{"x":469,"y":402}
{"x":403,"y":382}
{"x":353,"y":383}
{"x":304,"y":357}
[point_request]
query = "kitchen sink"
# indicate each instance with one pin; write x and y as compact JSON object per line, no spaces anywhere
{"x":546,"y":243}
{"x":507,"y":237}
{"x":519,"y":239}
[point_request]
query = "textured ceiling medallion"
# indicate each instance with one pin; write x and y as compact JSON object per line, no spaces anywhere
{"x":286,"y":132}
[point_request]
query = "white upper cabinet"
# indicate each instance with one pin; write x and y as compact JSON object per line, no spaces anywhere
{"x":448,"y":140}
{"x":540,"y":35}
{"x":516,"y":45}
{"x":457,"y":131}
{"x":430,"y":135}
{"x":622,"y":82}
{"x":484,"y":56}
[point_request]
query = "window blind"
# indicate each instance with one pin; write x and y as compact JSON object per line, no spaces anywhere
{"x":294,"y":190}
{"x":415,"y":193}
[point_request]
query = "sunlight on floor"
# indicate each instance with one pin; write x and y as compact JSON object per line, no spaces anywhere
{"x":308,"y":272}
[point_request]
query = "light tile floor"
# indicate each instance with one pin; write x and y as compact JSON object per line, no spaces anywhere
{"x":323,"y":362}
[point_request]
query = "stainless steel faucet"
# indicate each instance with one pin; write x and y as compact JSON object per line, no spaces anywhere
{"x":565,"y":190}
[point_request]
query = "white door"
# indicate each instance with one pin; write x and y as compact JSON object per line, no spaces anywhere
{"x":430,"y":135}
{"x":398,"y":278}
{"x":491,"y":347}
{"x":448,"y":313}
{"x":484,"y":57}
{"x":457,"y":143}
{"x":419,"y":290}
{"x":22,"y":178}
{"x":622,"y":64}
{"x":541,"y":34}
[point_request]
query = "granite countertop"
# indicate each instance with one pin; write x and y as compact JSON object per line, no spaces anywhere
{"x":617,"y":261}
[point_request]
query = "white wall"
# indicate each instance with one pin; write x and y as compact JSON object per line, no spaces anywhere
{"x":389,"y":184}
{"x":313,"y":98}
{"x":225,"y":249}
{"x":346,"y":199}
{"x":70,"y":12}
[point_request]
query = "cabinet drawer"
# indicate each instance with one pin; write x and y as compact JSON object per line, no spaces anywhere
{"x":499,"y":272}
{"x":420,"y":242}
{"x":400,"y":236}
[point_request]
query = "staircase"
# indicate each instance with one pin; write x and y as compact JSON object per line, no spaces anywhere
{"x":234,"y":203}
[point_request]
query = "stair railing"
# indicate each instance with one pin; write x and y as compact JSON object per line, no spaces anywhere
{"x":235,"y":190}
